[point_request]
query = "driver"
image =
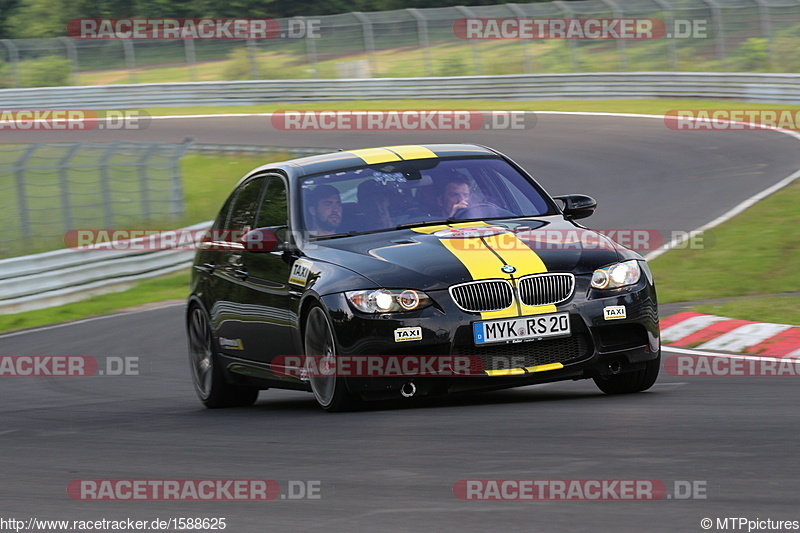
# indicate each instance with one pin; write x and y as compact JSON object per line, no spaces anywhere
{"x":454,"y":195}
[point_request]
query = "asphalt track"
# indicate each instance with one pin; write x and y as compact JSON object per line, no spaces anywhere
{"x":393,"y":467}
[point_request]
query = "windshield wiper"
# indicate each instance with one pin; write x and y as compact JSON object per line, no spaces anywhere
{"x":333,"y":236}
{"x":420,"y":223}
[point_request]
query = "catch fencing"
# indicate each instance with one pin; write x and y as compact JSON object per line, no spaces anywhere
{"x":704,"y":35}
{"x":47,"y":189}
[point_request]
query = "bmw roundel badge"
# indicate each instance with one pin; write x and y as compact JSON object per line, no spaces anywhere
{"x":508,"y":269}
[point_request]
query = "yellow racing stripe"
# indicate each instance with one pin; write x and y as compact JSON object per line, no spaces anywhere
{"x":544,"y":368}
{"x":519,"y":255}
{"x":430,"y":229}
{"x":505,"y":372}
{"x":520,"y":371}
{"x":482,"y":263}
{"x":374,"y":156}
{"x":412,"y":151}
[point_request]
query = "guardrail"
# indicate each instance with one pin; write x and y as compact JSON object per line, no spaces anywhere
{"x":64,"y":276}
{"x":767,"y":88}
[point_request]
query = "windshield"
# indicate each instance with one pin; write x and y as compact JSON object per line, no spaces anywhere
{"x":383,"y":197}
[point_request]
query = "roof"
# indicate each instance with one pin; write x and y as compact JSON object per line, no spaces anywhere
{"x":369,"y":156}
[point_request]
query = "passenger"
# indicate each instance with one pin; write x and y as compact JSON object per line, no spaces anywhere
{"x":325,"y":210}
{"x":374,"y":203}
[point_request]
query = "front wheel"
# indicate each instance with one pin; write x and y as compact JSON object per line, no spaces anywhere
{"x":629,"y":382}
{"x":329,"y":388}
{"x":209,"y":382}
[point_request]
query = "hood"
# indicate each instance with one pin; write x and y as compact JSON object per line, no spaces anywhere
{"x":435,"y":257}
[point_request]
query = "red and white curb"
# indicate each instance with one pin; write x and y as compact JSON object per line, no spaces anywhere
{"x":710,"y":332}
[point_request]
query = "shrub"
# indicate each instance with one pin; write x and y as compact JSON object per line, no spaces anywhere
{"x":48,"y":71}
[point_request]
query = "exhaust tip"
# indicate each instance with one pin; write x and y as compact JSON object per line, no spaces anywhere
{"x":408,"y":390}
{"x":615,"y":366}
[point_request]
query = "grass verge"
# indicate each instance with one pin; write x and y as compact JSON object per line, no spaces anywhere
{"x":754,"y":256}
{"x":756,"y":253}
{"x":777,"y":308}
{"x":169,"y":287}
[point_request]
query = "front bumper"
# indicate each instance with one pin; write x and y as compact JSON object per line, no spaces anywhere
{"x":597,"y":346}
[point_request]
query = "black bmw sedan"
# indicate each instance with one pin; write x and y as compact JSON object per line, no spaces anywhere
{"x":407,"y":271}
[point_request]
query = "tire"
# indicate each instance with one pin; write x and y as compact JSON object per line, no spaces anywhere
{"x":330,"y":391}
{"x":629,"y":382}
{"x":209,"y":381}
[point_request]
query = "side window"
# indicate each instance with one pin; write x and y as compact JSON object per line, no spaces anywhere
{"x":243,"y":211}
{"x":224,"y":213}
{"x":273,"y":210}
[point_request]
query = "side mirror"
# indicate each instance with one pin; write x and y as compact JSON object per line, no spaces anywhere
{"x":577,"y":206}
{"x":262,"y":239}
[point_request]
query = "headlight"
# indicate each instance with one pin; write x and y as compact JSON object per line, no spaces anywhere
{"x":388,"y":300}
{"x":617,"y":275}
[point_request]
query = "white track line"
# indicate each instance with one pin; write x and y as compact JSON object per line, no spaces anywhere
{"x":687,"y":351}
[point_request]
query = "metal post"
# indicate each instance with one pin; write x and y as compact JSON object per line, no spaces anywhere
{"x":63,"y":175}
{"x":13,"y":58}
{"x":176,"y":195}
{"x":766,"y":30}
{"x":311,"y":53}
{"x":191,"y":58}
{"x":477,"y":64}
{"x":72,"y":54}
{"x":621,"y":49}
{"x":669,"y":23}
{"x":369,"y":40}
{"x":719,"y":39}
{"x":22,"y":200}
{"x":252,"y":57}
{"x":145,"y":193}
{"x":105,"y":184}
{"x":526,"y":58}
{"x":573,"y":52}
{"x":422,"y":37}
{"x":130,"y":58}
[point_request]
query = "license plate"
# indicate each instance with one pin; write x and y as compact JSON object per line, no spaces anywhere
{"x":521,"y":328}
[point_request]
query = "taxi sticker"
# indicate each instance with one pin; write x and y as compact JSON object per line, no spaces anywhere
{"x":231,"y":344}
{"x":408,"y":334}
{"x":300,"y":272}
{"x":614,"y":312}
